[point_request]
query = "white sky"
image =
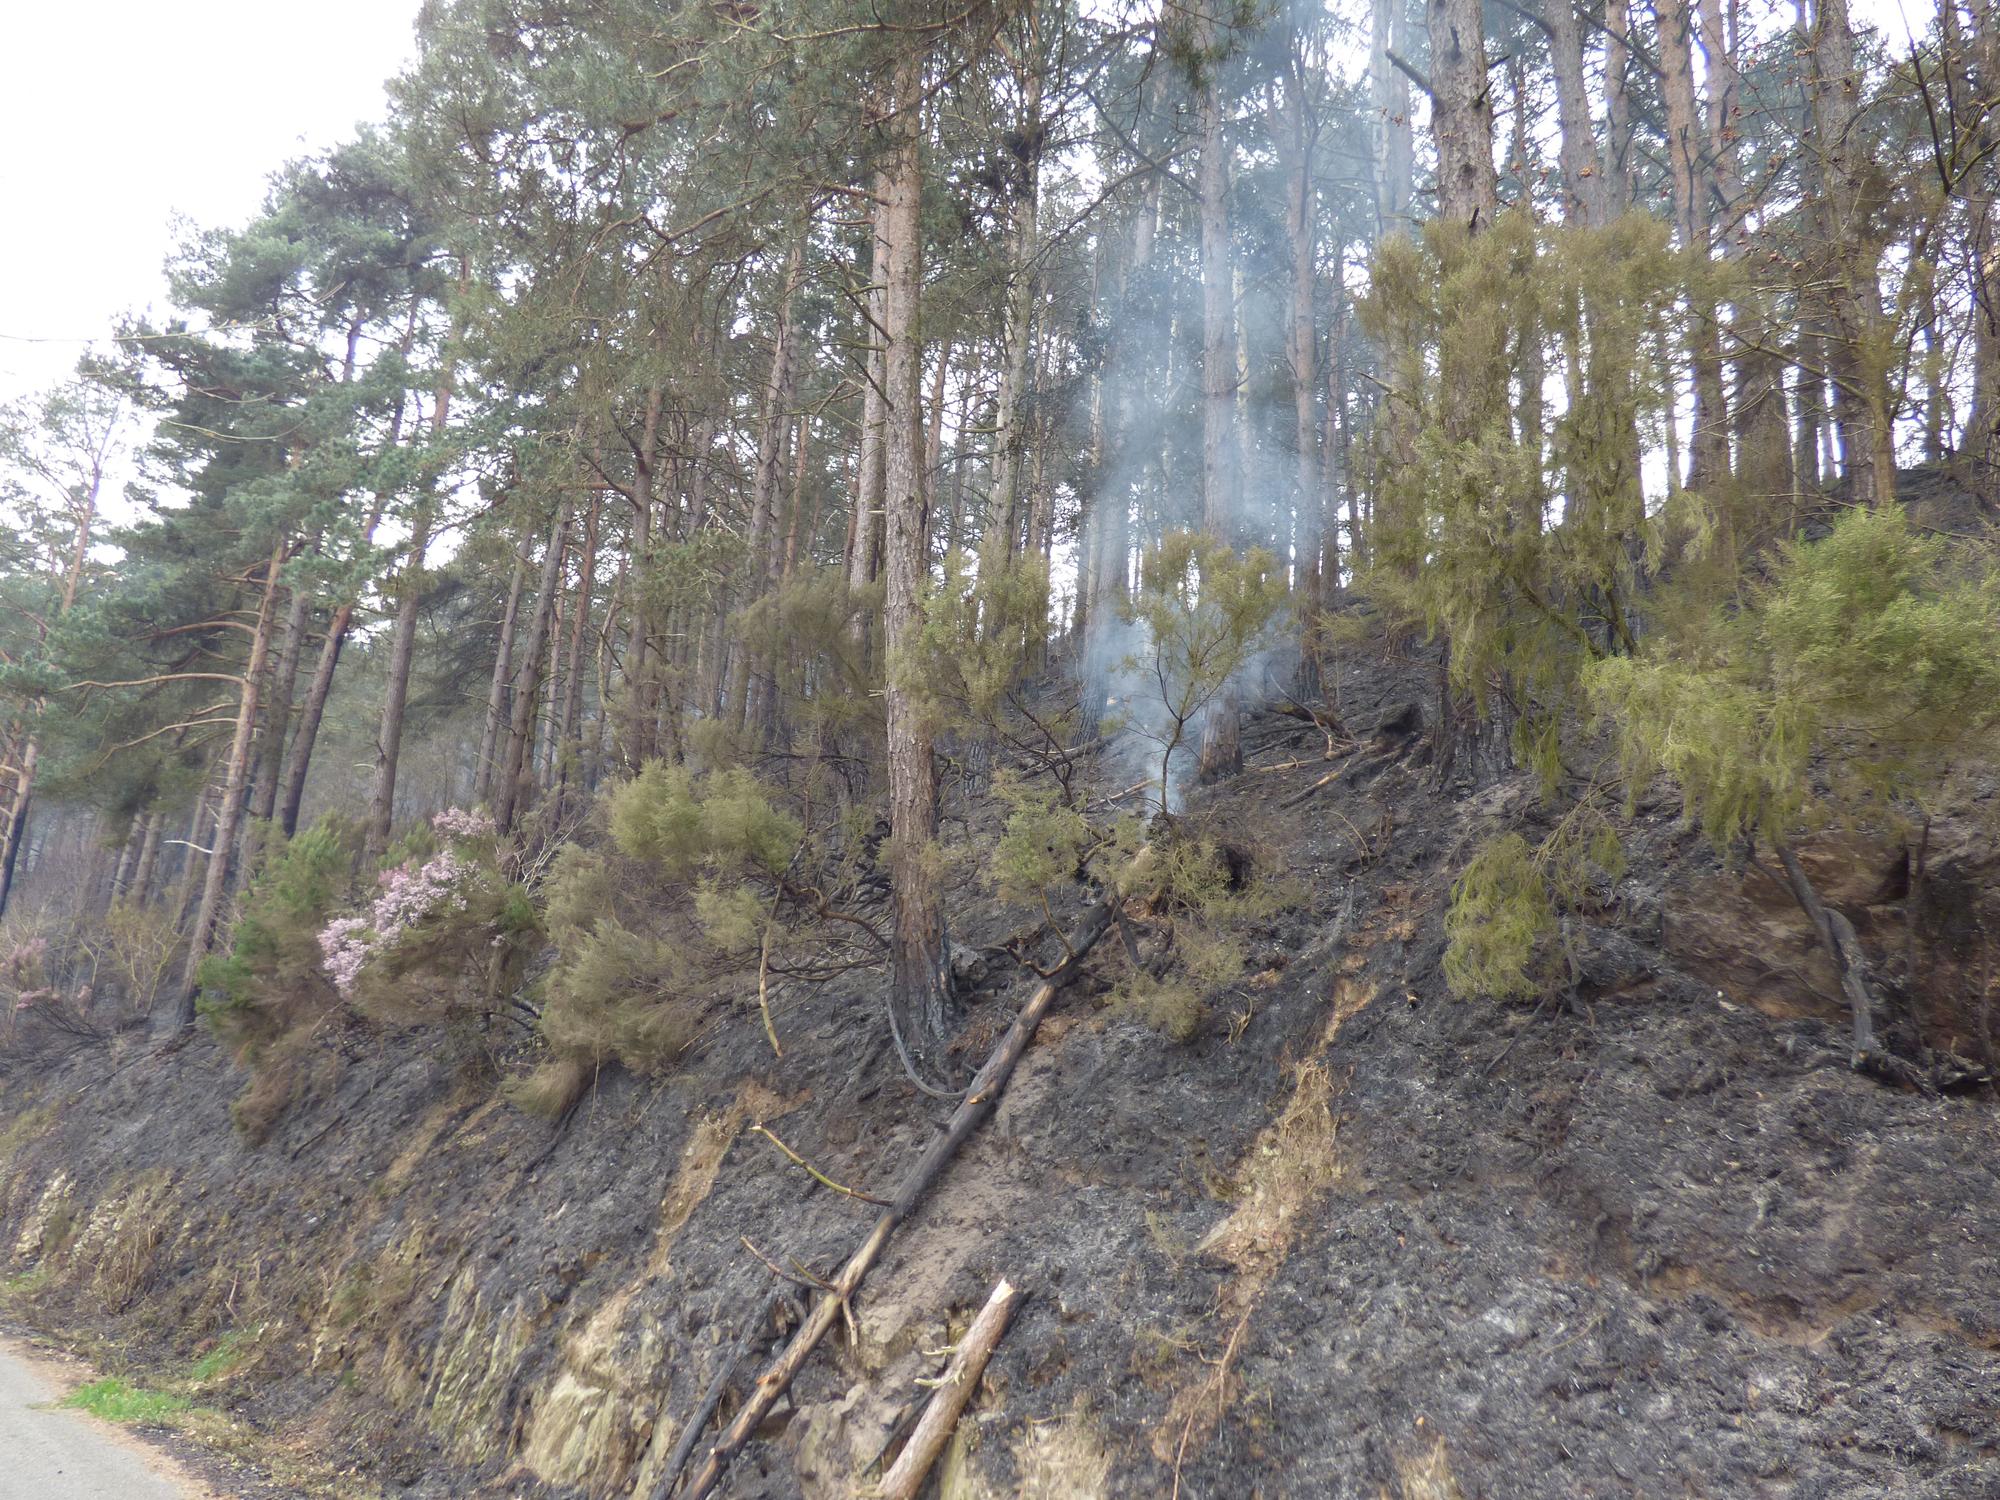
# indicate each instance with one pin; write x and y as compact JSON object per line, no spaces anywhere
{"x":118,"y":114}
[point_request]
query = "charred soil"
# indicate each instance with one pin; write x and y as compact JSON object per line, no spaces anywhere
{"x":1356,"y":1238}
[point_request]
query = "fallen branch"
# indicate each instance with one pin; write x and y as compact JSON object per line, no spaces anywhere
{"x":815,"y":1173}
{"x":712,"y":1398}
{"x":1307,"y":795}
{"x":961,"y":1378}
{"x":978,"y":1103}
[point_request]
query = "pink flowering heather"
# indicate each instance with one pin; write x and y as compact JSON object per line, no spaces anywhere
{"x":409,"y":895}
{"x":463,"y":823}
{"x":343,"y":946}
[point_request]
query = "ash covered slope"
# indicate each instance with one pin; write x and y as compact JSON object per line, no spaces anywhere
{"x":1357,"y":1238}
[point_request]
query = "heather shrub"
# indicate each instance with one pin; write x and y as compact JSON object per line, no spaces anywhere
{"x":446,"y":934}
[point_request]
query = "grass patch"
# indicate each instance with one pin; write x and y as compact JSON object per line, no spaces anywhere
{"x":230,"y":1353}
{"x":117,"y":1400}
{"x":25,"y":1127}
{"x":24,"y":1285}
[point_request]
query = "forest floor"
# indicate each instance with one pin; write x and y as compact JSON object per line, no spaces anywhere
{"x":1357,"y":1238}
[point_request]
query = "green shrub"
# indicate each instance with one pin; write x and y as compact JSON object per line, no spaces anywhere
{"x":1851,"y":684}
{"x":272,"y":966}
{"x":1205,"y":616}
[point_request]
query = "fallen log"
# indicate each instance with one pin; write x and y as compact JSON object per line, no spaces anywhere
{"x":961,"y":1378}
{"x":977,"y":1104}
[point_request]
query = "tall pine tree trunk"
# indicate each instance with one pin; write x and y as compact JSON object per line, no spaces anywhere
{"x":1582,"y":178}
{"x":1023,"y":252}
{"x":748,"y":679}
{"x":1858,"y":357}
{"x":1462,"y":113}
{"x":278,"y":711}
{"x":1763,"y":465}
{"x":864,"y":557}
{"x":229,"y":814}
{"x":1317,"y":545}
{"x":1392,"y":141}
{"x":568,"y":731}
{"x":1617,"y":167}
{"x":1687,"y":160}
{"x":1221,"y":741}
{"x":920,"y":981}
{"x":503,"y":667}
{"x":513,"y":787}
{"x":149,"y":858}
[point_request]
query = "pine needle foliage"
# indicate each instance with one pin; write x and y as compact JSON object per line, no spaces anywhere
{"x":1508,"y":525}
{"x":1850,"y":686}
{"x":1205,"y":614}
{"x":983,"y":623}
{"x":272,"y":973}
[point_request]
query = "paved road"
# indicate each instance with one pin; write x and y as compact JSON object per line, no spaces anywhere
{"x":51,"y":1454}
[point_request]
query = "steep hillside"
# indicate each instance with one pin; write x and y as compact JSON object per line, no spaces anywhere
{"x":1356,"y":1238}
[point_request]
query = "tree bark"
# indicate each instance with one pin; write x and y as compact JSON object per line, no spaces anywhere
{"x":395,"y":696}
{"x":864,"y":557}
{"x":1857,"y":357}
{"x":402,"y":649}
{"x":1582,"y":176}
{"x":149,"y":859}
{"x":1023,"y":245}
{"x":503,"y":670}
{"x":747,"y":679}
{"x":920,"y":982}
{"x":229,"y":813}
{"x":278,"y":712}
{"x":1111,"y":508}
{"x":641,"y":700}
{"x":1462,"y":113}
{"x":1617,"y":167}
{"x":1391,"y":138}
{"x":514,"y":786}
{"x":1317,"y":548}
{"x":1221,"y":741}
{"x":1763,"y":466}
{"x":568,"y":727}
{"x":1687,"y":157}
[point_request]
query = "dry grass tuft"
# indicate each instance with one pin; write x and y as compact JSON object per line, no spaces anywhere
{"x":1428,"y":1476}
{"x":1063,"y":1460}
{"x":1295,"y":1160}
{"x":553,"y":1089}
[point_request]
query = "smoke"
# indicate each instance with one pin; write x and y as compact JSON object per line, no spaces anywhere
{"x":1151,"y":483}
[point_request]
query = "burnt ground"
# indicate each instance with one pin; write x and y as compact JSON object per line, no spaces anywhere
{"x":1358,"y":1238}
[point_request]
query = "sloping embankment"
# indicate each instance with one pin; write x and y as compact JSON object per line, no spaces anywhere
{"x":1666,"y":1245}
